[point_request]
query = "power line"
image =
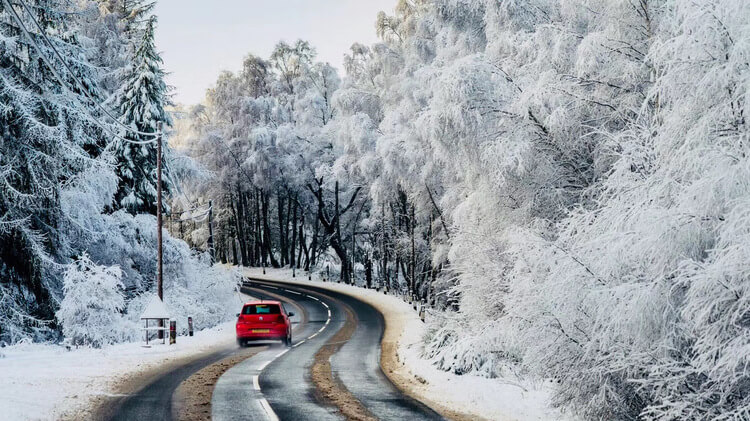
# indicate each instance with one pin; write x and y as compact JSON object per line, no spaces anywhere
{"x":83,"y":89}
{"x":80,"y":84}
{"x":63,"y":84}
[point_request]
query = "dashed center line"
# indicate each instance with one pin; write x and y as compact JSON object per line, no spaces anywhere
{"x":269,"y":411}
{"x":264,"y":365}
{"x":256,"y":378}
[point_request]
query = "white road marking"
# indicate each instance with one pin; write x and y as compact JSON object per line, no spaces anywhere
{"x":256,"y":383}
{"x":264,"y":365}
{"x":266,"y":407}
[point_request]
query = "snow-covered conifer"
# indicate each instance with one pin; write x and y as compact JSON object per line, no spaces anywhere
{"x":47,"y":136}
{"x":140,"y":103}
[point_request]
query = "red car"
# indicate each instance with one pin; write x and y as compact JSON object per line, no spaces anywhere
{"x":264,"y":320}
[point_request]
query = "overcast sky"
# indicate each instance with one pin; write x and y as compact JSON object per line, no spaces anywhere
{"x":200,"y":38}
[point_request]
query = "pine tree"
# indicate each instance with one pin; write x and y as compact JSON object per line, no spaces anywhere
{"x":46,"y":138}
{"x":140,"y":103}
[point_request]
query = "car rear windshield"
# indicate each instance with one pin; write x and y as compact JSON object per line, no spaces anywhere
{"x":261,"y":309}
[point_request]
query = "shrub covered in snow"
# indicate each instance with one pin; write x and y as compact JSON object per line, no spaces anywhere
{"x":91,"y":311}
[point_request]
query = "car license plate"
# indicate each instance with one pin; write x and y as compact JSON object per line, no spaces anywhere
{"x":260,"y":330}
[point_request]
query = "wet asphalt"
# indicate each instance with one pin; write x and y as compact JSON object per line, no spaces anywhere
{"x":275,"y":384}
{"x":154,"y":401}
{"x":285,"y":382}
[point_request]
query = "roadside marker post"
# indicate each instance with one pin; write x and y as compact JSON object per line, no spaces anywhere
{"x":190,"y":326}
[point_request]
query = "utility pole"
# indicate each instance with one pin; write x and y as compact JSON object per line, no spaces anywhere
{"x":159,"y":254}
{"x":211,"y":250}
{"x":159,"y":277}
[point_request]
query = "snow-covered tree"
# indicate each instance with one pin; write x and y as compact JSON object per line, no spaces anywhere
{"x":46,"y":137}
{"x":91,"y":310}
{"x":571,"y":173}
{"x":140,"y":103}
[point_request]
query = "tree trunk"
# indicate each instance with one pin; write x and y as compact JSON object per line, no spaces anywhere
{"x":238,"y":227}
{"x":292,"y":259}
{"x":413,"y":254}
{"x":282,"y":234}
{"x":234,"y":251}
{"x":314,"y":245}
{"x":287,"y":251}
{"x":368,"y":272}
{"x":267,"y":241}
{"x":258,"y":238}
{"x":339,"y":245}
{"x":248,"y":234}
{"x":384,"y":247}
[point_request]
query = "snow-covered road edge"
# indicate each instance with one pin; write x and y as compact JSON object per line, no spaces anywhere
{"x":49,"y":382}
{"x":456,"y":397}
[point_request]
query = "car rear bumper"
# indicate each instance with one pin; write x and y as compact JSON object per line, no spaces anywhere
{"x":261,"y":332}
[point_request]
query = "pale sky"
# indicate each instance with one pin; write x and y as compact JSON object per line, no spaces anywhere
{"x":200,"y":38}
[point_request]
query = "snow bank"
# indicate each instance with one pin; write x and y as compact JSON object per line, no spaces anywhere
{"x":497,"y":399}
{"x":44,"y":381}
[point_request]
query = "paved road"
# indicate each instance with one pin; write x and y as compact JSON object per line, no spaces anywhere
{"x":154,"y":401}
{"x":275,"y":383}
{"x":280,"y":386}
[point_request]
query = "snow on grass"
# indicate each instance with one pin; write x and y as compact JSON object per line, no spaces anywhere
{"x":46,"y":381}
{"x":496,"y":399}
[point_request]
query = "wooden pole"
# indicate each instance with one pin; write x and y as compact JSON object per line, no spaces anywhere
{"x":159,"y":251}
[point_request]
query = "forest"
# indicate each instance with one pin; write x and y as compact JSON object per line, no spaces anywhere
{"x":564,"y":182}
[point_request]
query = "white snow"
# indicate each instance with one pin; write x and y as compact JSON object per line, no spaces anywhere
{"x":496,"y":398}
{"x":45,"y":381}
{"x":156,"y":309}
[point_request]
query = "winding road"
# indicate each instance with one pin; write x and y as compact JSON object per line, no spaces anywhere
{"x":332,"y":371}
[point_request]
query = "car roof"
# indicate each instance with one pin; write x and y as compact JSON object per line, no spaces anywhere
{"x":263,"y":302}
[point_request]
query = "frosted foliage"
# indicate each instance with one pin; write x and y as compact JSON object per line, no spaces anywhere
{"x":91,"y":312}
{"x":46,"y":138}
{"x":589,"y":162}
{"x":567,"y":179}
{"x":639,"y":305}
{"x":140,"y":102}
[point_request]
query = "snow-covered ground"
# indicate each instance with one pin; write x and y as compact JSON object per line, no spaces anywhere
{"x":45,"y":381}
{"x":495,"y":399}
